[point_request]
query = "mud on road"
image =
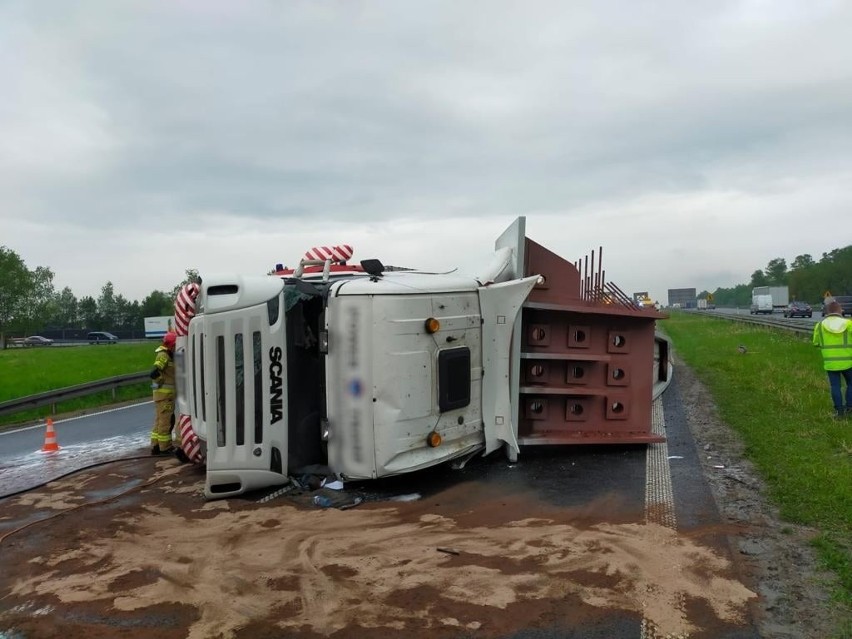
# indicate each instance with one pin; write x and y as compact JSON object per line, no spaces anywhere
{"x":132,"y":550}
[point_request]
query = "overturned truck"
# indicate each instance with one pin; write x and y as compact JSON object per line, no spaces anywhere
{"x":372,"y":371}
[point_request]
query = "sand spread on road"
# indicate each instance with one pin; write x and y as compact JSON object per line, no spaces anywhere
{"x":329,"y":569}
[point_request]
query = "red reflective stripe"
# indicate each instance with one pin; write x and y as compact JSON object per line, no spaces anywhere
{"x":189,"y":441}
{"x":185,"y":308}
{"x":340,"y":253}
{"x":184,"y":312}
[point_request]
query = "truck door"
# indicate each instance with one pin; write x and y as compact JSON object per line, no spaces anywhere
{"x":500,"y":304}
{"x":349,"y":375}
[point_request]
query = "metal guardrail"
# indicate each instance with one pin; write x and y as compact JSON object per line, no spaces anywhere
{"x":52,"y":398}
{"x":790,"y":325}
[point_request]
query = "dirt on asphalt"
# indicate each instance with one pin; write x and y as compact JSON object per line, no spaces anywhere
{"x":133,"y":551}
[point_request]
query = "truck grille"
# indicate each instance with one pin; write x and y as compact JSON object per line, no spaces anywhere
{"x":227,"y":379}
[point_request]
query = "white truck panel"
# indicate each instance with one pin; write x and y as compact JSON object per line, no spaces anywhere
{"x":405,"y":283}
{"x":237,"y":291}
{"x":514,"y":238}
{"x":399,"y":408}
{"x":349,"y":386}
{"x":183,"y":383}
{"x":500,"y":304}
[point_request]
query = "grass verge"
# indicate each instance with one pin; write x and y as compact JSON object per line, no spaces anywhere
{"x":27,"y":371}
{"x":776,"y":396}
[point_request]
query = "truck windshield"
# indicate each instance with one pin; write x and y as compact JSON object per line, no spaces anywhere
{"x":305,"y":377}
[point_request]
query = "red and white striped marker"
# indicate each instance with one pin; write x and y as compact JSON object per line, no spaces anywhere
{"x":185,"y":308}
{"x":184,"y":312}
{"x":341,"y":253}
{"x":189,"y":441}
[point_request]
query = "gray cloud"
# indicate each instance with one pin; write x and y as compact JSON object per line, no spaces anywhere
{"x":155,"y":117}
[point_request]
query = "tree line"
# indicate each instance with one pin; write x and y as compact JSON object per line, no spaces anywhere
{"x":808,"y":280}
{"x":30,"y":304}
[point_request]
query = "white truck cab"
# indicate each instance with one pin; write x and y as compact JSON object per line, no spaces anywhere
{"x":372,"y":375}
{"x":368,"y":372}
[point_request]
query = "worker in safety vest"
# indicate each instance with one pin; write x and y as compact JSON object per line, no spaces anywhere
{"x":163,"y":384}
{"x":833,"y":335}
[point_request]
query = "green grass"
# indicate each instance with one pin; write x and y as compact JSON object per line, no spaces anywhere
{"x":776,"y":397}
{"x":28,"y":371}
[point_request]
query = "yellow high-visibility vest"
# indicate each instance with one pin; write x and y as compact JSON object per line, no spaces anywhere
{"x":833,"y":335}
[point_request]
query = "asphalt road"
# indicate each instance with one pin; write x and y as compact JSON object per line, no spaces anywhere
{"x":97,"y":437}
{"x":661,"y":483}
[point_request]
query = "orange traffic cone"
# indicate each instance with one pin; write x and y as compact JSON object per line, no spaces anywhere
{"x":50,"y":445}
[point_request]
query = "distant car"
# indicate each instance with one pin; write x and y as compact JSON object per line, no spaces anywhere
{"x":798,"y":309}
{"x":845,"y":302}
{"x":37,"y":340}
{"x":101,"y":337}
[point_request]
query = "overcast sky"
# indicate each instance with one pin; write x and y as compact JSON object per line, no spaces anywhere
{"x":694,"y":141}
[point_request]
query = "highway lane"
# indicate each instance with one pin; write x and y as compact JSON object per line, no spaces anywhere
{"x":817,"y":316}
{"x":801,"y":325}
{"x":97,"y":437}
{"x":596,"y":486}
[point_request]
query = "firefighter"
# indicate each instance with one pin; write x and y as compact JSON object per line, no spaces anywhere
{"x":833,"y":335}
{"x":163,"y":384}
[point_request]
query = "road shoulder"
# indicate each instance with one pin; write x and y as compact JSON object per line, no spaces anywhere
{"x":775,"y":558}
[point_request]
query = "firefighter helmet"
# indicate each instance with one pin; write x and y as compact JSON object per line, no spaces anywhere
{"x":169,"y":340}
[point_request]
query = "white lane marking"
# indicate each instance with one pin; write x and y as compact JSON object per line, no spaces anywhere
{"x":71,"y":419}
{"x":659,"y":499}
{"x":659,"y":506}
